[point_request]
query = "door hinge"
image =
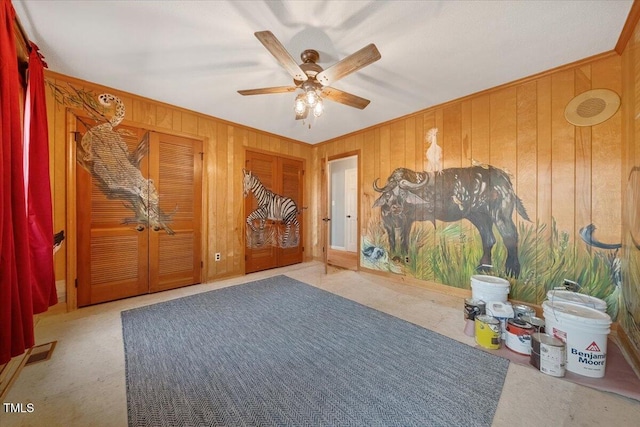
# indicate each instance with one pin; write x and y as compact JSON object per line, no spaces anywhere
{"x":303,"y":172}
{"x":201,"y":155}
{"x":303,"y":249}
{"x":76,"y":136}
{"x":246,"y":257}
{"x":201,"y":264}
{"x":76,"y":282}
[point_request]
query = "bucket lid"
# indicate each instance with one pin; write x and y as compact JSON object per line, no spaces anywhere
{"x":547,"y":339}
{"x":535,"y":321}
{"x":519,"y":323}
{"x":489,"y":280}
{"x":499,"y":309}
{"x":576,"y":312}
{"x":484,"y":318}
{"x":576,"y":298}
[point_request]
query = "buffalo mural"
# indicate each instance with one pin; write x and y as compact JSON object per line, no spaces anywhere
{"x":481,"y":194}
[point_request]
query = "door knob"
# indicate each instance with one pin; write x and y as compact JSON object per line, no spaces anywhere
{"x":140,"y":228}
{"x":348,"y":216}
{"x":156,"y":228}
{"x":326,"y":219}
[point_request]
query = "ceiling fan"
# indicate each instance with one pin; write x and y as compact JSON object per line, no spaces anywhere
{"x":313,"y":79}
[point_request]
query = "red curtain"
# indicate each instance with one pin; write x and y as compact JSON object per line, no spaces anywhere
{"x":16,"y":304}
{"x":36,"y":143}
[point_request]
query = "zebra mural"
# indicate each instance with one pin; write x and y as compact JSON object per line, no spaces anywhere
{"x":272,"y":207}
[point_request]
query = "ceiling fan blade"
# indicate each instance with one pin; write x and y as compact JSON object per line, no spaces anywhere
{"x":267,"y":90}
{"x":278,"y":51}
{"x":345,"y":98}
{"x":348,"y":65}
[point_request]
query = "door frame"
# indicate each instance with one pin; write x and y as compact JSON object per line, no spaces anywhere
{"x":71,"y":238}
{"x":326,"y":203}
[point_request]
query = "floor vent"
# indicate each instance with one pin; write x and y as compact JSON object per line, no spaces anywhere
{"x":40,"y":353}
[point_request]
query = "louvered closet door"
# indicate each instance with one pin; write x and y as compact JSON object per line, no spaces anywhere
{"x":176,"y":168}
{"x":290,"y":174}
{"x":282,"y":176}
{"x":261,"y":252}
{"x":112,"y":256}
{"x":119,"y":255}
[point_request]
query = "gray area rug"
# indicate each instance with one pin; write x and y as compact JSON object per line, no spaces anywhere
{"x":278,"y":352}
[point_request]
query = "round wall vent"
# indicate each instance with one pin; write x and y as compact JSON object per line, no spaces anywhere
{"x":592,"y":107}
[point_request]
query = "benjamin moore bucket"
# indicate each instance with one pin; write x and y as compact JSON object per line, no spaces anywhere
{"x":585,"y":331}
{"x":489,"y":288}
{"x":558,"y":295}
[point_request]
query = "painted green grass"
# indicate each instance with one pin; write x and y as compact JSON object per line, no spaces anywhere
{"x":445,"y":254}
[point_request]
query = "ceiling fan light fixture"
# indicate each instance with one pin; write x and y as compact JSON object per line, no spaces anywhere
{"x":300,"y":105}
{"x":312,"y":98}
{"x":318,"y":109}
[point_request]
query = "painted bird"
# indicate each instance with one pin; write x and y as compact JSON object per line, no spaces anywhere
{"x":434,"y":152}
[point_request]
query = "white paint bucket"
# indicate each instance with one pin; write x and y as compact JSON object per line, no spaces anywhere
{"x":584,"y":331}
{"x":501,"y":311}
{"x":558,"y":295}
{"x":489,"y":288}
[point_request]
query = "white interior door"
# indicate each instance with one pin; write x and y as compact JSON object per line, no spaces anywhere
{"x":351,"y":209}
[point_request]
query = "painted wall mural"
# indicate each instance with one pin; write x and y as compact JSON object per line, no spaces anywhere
{"x":481,"y":194}
{"x":630,"y":315}
{"x":105,"y":155}
{"x":446,"y":225}
{"x":272,"y":208}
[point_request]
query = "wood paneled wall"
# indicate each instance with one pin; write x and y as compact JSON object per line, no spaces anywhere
{"x":560,"y":171}
{"x":630,"y":316}
{"x":564,"y":173}
{"x":224,"y":156}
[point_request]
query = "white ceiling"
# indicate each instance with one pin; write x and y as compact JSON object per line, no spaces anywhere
{"x":197,"y":54}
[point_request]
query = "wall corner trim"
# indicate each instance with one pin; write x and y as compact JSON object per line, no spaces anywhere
{"x":629,"y":27}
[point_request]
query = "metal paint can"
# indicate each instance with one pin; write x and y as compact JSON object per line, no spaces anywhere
{"x":487,"y":332}
{"x":521,"y":310}
{"x":548,"y":354}
{"x":473,"y":308}
{"x":518,"y":337}
{"x":537,"y":323}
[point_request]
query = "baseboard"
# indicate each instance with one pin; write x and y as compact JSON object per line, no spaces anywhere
{"x":9,"y":372}
{"x":432,"y":286}
{"x":629,"y":351}
{"x":61,"y":290}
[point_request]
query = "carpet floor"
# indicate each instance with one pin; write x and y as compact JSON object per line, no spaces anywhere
{"x":280,"y":352}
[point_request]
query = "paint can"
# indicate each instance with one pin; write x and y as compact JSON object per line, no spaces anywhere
{"x":487,"y":332}
{"x":521,"y":310}
{"x":489,"y":288}
{"x":536,"y":322}
{"x":518,"y":337}
{"x":585,"y":331}
{"x":473,"y":308}
{"x":548,"y":354}
{"x":501,"y":311}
